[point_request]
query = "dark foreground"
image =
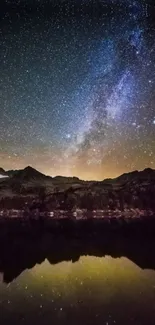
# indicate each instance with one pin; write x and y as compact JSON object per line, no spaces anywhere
{"x":26,"y":243}
{"x":71,"y":272}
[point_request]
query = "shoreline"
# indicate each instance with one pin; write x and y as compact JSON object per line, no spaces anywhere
{"x":77,"y":213}
{"x":69,"y":226}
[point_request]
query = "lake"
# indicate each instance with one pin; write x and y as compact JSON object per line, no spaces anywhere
{"x":92,"y":290}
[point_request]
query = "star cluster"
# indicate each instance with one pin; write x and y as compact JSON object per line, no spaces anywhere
{"x":77,"y":82}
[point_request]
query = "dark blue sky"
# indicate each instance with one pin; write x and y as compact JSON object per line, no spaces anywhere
{"x":77,"y":86}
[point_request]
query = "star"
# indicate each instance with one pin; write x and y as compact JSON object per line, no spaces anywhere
{"x":78,"y":91}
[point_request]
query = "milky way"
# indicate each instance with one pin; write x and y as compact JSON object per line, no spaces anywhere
{"x":77,"y":84}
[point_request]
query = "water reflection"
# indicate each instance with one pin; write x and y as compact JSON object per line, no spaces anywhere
{"x":76,"y":278}
{"x":24,"y":252}
{"x":92,"y":290}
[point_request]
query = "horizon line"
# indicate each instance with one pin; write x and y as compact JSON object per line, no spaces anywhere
{"x":91,"y":180}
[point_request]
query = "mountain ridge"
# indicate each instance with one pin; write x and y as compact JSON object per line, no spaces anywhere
{"x":31,"y":172}
{"x":130,"y":190}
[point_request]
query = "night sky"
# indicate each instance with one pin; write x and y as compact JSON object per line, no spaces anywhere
{"x":77,"y":86}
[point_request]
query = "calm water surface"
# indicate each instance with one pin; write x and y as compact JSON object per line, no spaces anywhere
{"x":92,"y":290}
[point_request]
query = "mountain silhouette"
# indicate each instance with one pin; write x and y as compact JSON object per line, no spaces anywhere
{"x":132,"y":190}
{"x":30,"y":172}
{"x":27,"y":174}
{"x":3,"y":172}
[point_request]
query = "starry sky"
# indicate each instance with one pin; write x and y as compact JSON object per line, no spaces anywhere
{"x":77,"y":80}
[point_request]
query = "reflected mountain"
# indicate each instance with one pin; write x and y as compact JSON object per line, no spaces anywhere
{"x":18,"y":253}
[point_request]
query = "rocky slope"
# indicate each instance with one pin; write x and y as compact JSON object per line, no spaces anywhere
{"x":131,"y":190}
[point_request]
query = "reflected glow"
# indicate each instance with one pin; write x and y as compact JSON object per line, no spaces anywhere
{"x":101,"y":289}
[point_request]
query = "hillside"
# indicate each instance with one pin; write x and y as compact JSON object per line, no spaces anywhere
{"x":131,"y":190}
